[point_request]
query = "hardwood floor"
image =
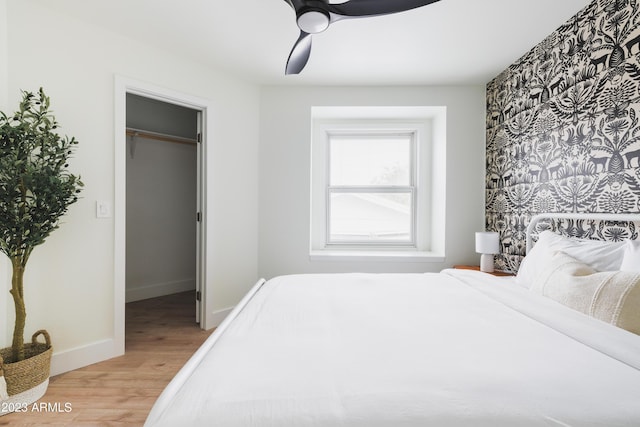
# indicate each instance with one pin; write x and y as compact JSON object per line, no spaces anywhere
{"x":161,"y":335}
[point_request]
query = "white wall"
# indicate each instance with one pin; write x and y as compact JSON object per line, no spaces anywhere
{"x":161,"y":218}
{"x":285,"y":129}
{"x":3,"y":54}
{"x":4,"y":262}
{"x":70,"y":279}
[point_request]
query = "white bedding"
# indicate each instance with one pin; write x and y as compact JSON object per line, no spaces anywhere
{"x":458,"y":348}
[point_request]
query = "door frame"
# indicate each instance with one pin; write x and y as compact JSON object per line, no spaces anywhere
{"x":122,"y":87}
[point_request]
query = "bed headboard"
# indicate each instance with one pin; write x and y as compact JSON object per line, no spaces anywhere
{"x":594,"y":226}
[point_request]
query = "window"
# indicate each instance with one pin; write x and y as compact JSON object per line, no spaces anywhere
{"x":371,"y":194}
{"x":372,"y":182}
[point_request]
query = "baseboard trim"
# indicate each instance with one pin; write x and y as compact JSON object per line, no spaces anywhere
{"x":80,"y":357}
{"x":159,"y":289}
{"x":216,"y":317}
{"x":99,"y":351}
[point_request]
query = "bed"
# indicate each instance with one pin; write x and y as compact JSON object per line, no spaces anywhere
{"x":455,"y":348}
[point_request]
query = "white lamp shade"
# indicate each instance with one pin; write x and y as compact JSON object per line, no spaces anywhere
{"x":487,"y":242}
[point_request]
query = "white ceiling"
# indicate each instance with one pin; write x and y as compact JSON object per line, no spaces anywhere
{"x":448,"y":42}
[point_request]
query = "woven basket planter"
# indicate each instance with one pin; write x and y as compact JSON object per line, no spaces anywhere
{"x":27,"y":380}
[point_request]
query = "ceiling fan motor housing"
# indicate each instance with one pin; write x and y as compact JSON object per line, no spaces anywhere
{"x":313,"y":17}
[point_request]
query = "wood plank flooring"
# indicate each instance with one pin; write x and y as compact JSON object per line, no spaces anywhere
{"x":161,"y":335}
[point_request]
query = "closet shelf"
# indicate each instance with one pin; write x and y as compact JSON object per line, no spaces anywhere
{"x":159,"y":136}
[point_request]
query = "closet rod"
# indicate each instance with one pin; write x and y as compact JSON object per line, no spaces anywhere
{"x":159,"y":136}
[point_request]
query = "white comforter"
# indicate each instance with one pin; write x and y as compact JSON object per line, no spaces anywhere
{"x":458,"y":348}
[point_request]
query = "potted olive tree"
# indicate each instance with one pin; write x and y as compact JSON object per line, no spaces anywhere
{"x":36,"y":189}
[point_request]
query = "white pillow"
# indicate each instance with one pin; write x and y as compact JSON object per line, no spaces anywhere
{"x":610,"y":296}
{"x":631,"y":259}
{"x":597,"y":254}
{"x":532,"y":262}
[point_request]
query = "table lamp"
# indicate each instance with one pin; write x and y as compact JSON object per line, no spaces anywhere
{"x":487,"y":244}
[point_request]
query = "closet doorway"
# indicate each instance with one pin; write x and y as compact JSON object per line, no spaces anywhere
{"x":163,"y":214}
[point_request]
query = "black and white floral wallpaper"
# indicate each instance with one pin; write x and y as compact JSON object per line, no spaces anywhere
{"x":563,"y":125}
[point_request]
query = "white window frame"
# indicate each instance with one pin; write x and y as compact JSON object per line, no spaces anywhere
{"x":372,"y":131}
{"x":427,"y":125}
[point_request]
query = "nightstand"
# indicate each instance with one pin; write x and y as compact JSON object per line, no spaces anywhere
{"x":477,"y":268}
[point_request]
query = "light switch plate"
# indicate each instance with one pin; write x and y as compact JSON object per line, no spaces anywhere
{"x":103,"y":209}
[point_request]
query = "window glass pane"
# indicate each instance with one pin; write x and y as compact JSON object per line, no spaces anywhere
{"x":370,"y":217}
{"x":370,"y":160}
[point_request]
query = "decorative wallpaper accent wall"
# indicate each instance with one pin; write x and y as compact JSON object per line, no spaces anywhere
{"x":563,"y":126}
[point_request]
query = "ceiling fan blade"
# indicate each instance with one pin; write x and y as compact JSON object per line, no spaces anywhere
{"x":299,"y":54}
{"x":358,"y":8}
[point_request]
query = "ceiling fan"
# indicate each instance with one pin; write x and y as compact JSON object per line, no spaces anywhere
{"x":315,"y":16}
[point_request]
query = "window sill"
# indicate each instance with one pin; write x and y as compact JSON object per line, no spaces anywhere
{"x":386,"y":256}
